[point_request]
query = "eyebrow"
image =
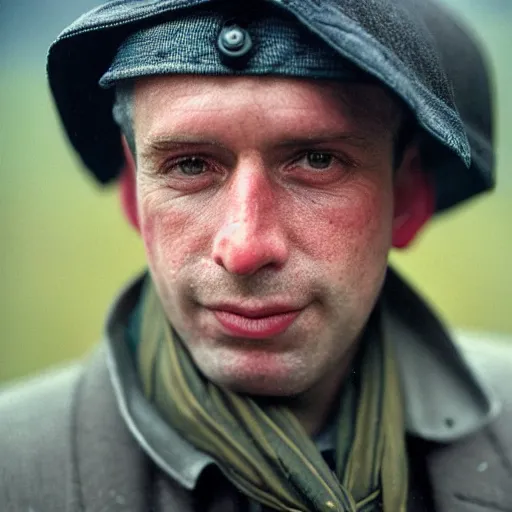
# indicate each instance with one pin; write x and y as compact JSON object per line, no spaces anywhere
{"x":163,"y":144}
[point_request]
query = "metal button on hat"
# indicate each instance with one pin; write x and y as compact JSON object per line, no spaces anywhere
{"x":234,"y":42}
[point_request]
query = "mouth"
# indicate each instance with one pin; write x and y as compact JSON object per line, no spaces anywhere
{"x":258,"y":323}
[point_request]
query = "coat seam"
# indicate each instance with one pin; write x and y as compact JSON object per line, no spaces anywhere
{"x":75,"y":470}
{"x":481,"y":503}
{"x":500,"y":451}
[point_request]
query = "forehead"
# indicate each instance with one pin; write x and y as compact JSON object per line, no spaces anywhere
{"x":164,"y":98}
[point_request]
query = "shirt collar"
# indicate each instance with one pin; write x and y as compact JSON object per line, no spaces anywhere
{"x":444,"y":400}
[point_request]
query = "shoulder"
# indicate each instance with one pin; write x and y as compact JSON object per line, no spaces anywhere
{"x":16,"y":396}
{"x":490,"y":355}
{"x":35,"y":439}
{"x":478,"y":469}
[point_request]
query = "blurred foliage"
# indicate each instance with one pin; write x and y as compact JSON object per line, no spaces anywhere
{"x":66,"y":250}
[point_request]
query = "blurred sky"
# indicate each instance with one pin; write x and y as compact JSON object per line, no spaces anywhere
{"x":27,"y":27}
{"x":66,"y":250}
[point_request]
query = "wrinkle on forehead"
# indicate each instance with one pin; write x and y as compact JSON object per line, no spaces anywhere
{"x":368,"y":104}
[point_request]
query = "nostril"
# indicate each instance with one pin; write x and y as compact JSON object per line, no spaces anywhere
{"x":218,"y":260}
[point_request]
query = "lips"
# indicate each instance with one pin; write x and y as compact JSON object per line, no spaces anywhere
{"x":258,"y":323}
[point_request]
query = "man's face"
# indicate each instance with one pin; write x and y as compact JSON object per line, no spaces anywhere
{"x":266,"y":210}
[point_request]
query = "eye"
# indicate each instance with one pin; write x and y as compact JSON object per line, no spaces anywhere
{"x":319,"y":160}
{"x":192,"y":166}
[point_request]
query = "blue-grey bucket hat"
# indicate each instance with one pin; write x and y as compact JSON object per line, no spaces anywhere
{"x":414,"y":47}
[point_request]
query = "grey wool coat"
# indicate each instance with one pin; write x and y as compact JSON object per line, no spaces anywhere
{"x":67,"y":443}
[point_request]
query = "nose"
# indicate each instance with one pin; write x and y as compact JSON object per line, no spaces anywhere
{"x":250,"y":236}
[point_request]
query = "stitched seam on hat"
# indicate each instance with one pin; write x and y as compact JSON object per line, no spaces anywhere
{"x":129,"y":17}
{"x":109,"y":79}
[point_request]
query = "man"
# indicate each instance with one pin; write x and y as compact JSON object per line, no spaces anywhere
{"x":270,"y":155}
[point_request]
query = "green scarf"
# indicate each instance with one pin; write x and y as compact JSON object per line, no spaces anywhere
{"x":263,"y":449}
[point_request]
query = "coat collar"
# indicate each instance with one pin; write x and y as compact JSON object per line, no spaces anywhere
{"x":113,"y":471}
{"x":445,"y":400}
{"x":452,"y":466}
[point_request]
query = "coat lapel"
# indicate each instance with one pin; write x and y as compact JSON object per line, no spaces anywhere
{"x":470,"y":476}
{"x":473,"y":475}
{"x":111,"y":469}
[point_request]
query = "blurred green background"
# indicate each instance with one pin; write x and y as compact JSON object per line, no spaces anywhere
{"x":66,"y":250}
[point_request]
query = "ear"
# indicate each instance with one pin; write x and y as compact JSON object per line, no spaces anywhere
{"x":414,"y":196}
{"x":128,"y":188}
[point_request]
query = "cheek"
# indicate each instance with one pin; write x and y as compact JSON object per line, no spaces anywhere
{"x":353,"y":226}
{"x":171,"y":233}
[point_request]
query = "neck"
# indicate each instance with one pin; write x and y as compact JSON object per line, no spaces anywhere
{"x":314,"y":406}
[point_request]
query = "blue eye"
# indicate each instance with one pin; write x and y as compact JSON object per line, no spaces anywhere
{"x":319,"y":160}
{"x":192,"y":166}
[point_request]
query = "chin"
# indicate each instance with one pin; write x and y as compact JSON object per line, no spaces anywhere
{"x":260,"y":386}
{"x":256,"y":373}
